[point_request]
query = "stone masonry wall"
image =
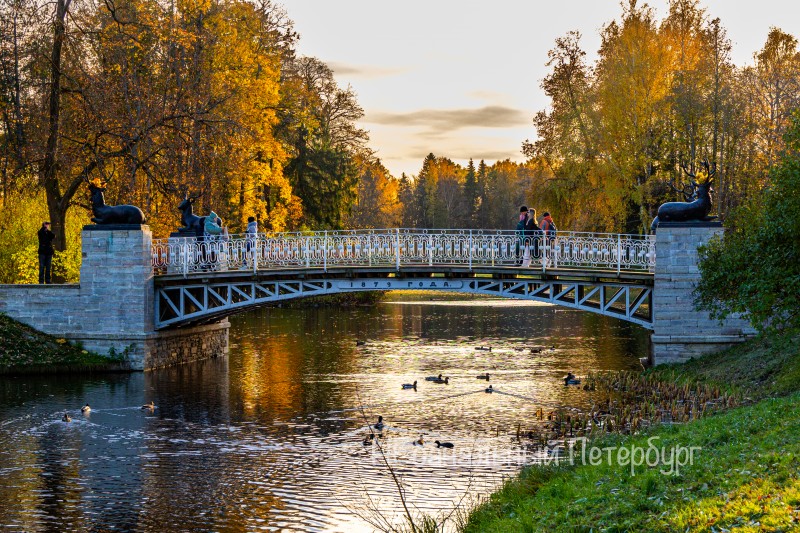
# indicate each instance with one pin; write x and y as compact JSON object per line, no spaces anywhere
{"x":112,"y":307}
{"x":190,"y":344}
{"x":680,"y":332}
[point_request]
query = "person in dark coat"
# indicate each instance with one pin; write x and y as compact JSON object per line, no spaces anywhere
{"x":532,"y":235}
{"x":520,"y":232}
{"x":46,"y":252}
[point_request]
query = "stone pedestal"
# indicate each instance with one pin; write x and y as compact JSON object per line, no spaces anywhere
{"x":117,"y":287}
{"x":681,"y":332}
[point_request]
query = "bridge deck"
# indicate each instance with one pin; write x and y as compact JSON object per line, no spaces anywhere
{"x":410,"y":271}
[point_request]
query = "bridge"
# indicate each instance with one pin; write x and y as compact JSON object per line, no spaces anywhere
{"x":202,"y":280}
{"x":165,"y":301}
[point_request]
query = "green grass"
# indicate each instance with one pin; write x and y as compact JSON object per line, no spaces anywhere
{"x":760,"y":368}
{"x":26,"y":350}
{"x":746,"y":477}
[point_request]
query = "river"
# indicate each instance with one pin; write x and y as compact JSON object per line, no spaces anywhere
{"x":271,"y":437}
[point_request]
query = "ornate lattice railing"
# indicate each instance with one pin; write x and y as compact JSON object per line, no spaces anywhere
{"x":400,"y":247}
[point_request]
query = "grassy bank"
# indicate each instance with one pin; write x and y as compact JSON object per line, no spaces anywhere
{"x":744,"y":477}
{"x":24,"y":350}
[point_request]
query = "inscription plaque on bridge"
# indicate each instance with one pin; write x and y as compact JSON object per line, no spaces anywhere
{"x":397,"y":284}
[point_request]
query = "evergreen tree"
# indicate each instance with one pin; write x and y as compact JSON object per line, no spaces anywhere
{"x":471,"y":195}
{"x":406,"y":197}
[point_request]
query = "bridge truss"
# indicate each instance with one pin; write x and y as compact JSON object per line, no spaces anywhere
{"x":185,"y":304}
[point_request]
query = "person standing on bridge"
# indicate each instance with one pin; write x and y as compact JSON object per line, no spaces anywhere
{"x":548,"y":228}
{"x":532,"y":237}
{"x":521,"y":249}
{"x":250,"y":243}
{"x":46,"y":252}
{"x":213,"y":231}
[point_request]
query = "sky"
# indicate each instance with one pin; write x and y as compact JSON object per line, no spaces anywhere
{"x":460,"y":78}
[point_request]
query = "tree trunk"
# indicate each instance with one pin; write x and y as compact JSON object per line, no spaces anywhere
{"x":50,"y":165}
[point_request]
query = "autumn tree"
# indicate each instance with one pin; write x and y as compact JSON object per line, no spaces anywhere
{"x":155,"y":99}
{"x":377,"y":202}
{"x":772,"y":90}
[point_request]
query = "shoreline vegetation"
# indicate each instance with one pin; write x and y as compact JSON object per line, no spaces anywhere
{"x":745,"y":473}
{"x":25,"y":350}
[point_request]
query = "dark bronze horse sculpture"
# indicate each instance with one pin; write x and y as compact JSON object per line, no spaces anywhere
{"x":112,"y":214}
{"x":696,"y":209}
{"x":191,"y":222}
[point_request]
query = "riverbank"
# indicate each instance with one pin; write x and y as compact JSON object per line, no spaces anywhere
{"x":743,"y":476}
{"x":24,"y":350}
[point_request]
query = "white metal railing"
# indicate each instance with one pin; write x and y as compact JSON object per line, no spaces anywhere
{"x":398,"y":247}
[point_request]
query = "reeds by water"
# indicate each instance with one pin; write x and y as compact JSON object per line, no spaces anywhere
{"x":625,"y":403}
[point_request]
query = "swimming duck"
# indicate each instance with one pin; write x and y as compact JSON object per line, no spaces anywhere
{"x":484,"y":348}
{"x":489,"y":389}
{"x":361,"y":343}
{"x":150,"y":405}
{"x":444,"y":381}
{"x":379,"y":424}
{"x":419,"y":442}
{"x":410,"y":385}
{"x":66,"y":418}
{"x":536,"y":350}
{"x":368,"y":439}
{"x":443,"y":444}
{"x":483,"y":376}
{"x":86,"y":409}
{"x":433,"y":378}
{"x":570,"y":379}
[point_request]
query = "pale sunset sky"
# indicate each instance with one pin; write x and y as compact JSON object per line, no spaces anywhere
{"x":460,"y":78}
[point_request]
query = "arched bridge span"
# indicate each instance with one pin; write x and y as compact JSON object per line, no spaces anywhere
{"x":204,"y":280}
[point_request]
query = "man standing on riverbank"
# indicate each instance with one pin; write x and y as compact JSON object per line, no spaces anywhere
{"x":46,"y":252}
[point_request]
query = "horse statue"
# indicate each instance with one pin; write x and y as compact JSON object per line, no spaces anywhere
{"x":112,"y":214}
{"x":192,"y":224}
{"x":696,"y":209}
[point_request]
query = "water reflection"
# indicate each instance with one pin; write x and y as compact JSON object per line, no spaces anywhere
{"x":271,"y":438}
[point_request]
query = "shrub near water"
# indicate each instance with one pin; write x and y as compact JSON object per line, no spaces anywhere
{"x":755,"y":268}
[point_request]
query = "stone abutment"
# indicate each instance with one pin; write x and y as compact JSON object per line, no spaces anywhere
{"x":110,"y":311}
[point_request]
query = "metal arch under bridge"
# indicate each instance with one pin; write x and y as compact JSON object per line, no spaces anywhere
{"x":210,"y":299}
{"x":200,"y":280}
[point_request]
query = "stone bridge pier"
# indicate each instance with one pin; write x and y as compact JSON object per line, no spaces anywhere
{"x":679,"y":331}
{"x":111,"y":310}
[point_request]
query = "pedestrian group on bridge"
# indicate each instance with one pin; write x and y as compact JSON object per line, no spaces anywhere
{"x":533,"y":238}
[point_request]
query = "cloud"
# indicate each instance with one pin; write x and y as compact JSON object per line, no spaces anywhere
{"x":362,"y":71}
{"x":418,"y":153}
{"x":440,"y":121}
{"x":489,"y":96}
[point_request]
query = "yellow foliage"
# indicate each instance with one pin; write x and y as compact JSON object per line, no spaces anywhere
{"x":19,"y":260}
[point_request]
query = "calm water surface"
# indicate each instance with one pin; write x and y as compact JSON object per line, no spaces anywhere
{"x":271,"y":437}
